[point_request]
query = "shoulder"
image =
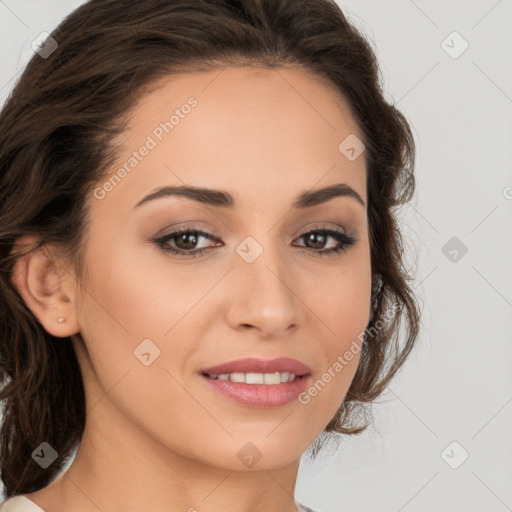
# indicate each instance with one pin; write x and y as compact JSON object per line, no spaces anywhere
{"x":302,"y":508}
{"x":23,"y":504}
{"x":19,"y":503}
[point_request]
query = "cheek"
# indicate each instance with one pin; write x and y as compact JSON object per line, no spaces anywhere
{"x":127,"y":312}
{"x":131,"y":299}
{"x":341,"y":300}
{"x":341,"y":304}
{"x":140,"y":292}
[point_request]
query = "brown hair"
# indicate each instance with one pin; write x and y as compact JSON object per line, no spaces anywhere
{"x":56,"y":134}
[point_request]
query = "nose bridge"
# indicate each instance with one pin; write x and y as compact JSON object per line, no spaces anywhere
{"x":265,"y":298}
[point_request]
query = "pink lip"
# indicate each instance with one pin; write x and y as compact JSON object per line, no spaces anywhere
{"x":259,"y":395}
{"x":253,"y":365}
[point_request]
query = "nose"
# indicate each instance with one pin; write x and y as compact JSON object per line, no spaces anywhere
{"x":264,"y":299}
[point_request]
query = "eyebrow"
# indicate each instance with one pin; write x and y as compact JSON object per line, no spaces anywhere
{"x":221,"y":198}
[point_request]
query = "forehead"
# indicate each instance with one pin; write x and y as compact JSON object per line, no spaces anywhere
{"x":242,"y":128}
{"x":231,"y":92}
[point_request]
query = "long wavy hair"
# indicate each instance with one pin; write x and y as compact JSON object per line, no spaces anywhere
{"x":57,"y":129}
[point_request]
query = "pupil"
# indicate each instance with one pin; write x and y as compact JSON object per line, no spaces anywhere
{"x":315,"y":238}
{"x":192,"y":241}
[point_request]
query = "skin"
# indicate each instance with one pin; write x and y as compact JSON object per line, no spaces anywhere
{"x":157,"y":437}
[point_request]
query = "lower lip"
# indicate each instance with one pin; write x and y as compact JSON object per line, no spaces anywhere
{"x":259,"y":395}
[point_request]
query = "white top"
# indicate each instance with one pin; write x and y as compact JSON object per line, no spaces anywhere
{"x":21,"y":503}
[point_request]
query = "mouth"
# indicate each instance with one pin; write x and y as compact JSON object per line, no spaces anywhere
{"x":258,"y":383}
{"x":258,"y":371}
{"x":253,"y":378}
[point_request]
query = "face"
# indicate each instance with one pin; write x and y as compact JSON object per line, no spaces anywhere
{"x":255,"y":276}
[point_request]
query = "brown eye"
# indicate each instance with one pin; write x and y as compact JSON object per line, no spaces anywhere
{"x":317,"y":238}
{"x":184,"y":242}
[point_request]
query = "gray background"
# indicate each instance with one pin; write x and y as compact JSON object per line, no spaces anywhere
{"x":456,"y":386}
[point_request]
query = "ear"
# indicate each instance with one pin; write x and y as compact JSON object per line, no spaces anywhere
{"x":47,"y":288}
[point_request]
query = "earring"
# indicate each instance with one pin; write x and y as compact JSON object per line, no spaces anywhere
{"x":61,"y":319}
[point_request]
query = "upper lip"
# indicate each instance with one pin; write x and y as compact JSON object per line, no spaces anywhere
{"x":253,"y":365}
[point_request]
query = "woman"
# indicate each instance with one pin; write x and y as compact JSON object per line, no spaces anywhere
{"x":202,"y":272}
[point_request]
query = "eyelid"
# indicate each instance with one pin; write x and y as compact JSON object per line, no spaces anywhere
{"x":325,"y":225}
{"x":188,"y":226}
{"x":344,"y":239}
{"x":212,"y":233}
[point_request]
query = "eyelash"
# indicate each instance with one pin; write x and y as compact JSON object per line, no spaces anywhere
{"x":345,"y":241}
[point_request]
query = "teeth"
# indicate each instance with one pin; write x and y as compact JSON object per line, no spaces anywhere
{"x":256,"y":378}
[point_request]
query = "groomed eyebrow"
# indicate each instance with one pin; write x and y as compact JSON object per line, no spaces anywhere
{"x":221,"y":198}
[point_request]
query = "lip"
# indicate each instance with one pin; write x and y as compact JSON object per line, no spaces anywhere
{"x":254,"y":365}
{"x":259,"y":395}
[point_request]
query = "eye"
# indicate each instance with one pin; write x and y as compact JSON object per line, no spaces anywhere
{"x":318,"y":237}
{"x":185,"y":241}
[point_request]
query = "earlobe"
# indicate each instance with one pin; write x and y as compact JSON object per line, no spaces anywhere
{"x":37,"y":278}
